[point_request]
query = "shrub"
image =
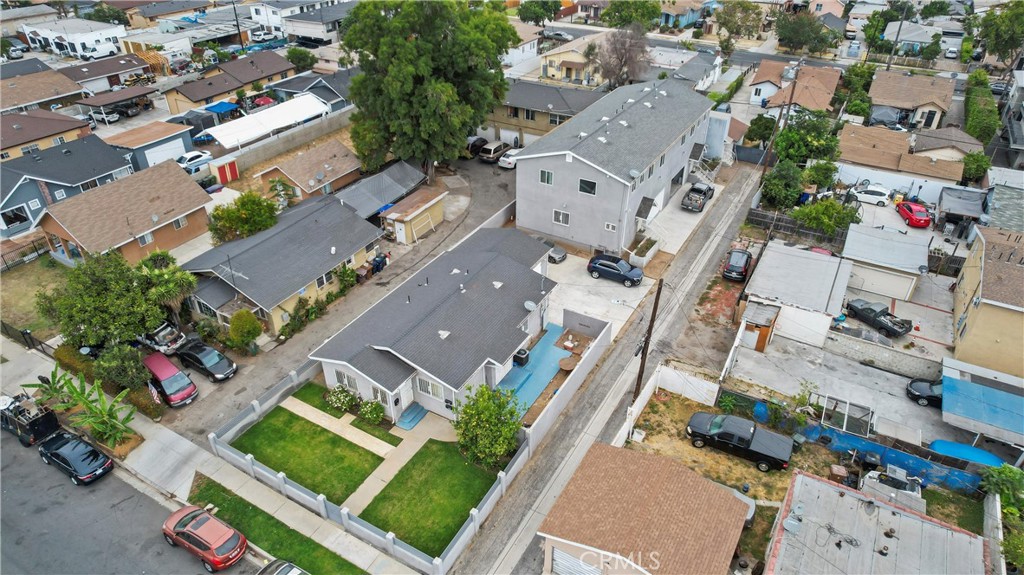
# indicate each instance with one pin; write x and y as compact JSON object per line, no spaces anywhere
{"x":245,"y":328}
{"x":122,"y":365}
{"x":209,"y":329}
{"x":343,"y":399}
{"x":782,"y":185}
{"x":826,"y":216}
{"x":70,"y":360}
{"x":976,"y":164}
{"x":144,"y":402}
{"x":697,"y":33}
{"x":372,"y":412}
{"x":487,"y":425}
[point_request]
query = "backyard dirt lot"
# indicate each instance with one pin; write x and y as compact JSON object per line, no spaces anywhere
{"x":18,"y":296}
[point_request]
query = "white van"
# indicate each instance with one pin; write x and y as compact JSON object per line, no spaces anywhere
{"x":100,"y":51}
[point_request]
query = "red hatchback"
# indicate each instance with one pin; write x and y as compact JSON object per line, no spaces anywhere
{"x":215,"y":543}
{"x":914,"y":215}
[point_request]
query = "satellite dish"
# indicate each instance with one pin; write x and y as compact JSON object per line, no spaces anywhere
{"x":319,"y":176}
{"x":155,"y":218}
{"x":529,"y":305}
{"x":5,"y":402}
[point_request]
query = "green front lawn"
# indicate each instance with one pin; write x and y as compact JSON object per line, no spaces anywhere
{"x":376,"y":431}
{"x":313,"y":394}
{"x":429,"y":499}
{"x":308,"y":454}
{"x":263,"y":530}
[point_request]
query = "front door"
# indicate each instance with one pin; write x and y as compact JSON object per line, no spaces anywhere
{"x":929,"y":118}
{"x":407,"y":397}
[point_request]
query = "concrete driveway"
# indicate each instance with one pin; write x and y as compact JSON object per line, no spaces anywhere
{"x":931,"y":310}
{"x":673,"y":224}
{"x":601,"y":298}
{"x":879,"y":216}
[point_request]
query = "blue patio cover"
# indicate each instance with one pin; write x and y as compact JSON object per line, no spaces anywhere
{"x":222,"y":107}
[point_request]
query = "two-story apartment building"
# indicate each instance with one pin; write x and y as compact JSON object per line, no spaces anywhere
{"x":988,"y":304}
{"x":146,"y":16}
{"x":600,"y":176}
{"x":1013,"y":117}
{"x":270,"y":13}
{"x":43,"y":178}
{"x":532,"y":109}
{"x":529,"y":38}
{"x":226,"y":78}
{"x":35,"y":130}
{"x":72,"y":36}
{"x":320,"y":24}
{"x":568,"y":64}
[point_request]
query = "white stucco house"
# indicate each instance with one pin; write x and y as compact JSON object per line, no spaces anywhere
{"x":72,"y":36}
{"x":526,"y":47}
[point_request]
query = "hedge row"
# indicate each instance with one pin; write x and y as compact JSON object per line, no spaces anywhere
{"x":70,"y":360}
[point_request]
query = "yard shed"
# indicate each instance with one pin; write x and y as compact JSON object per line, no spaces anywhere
{"x":885,"y":262}
{"x":415,"y":216}
{"x":808,"y":288}
{"x":983,"y":401}
{"x":371,"y":195}
{"x":958,"y":207}
{"x":153,"y":143}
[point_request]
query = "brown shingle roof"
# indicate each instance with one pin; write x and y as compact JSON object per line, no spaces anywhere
{"x":769,"y":71}
{"x":330,"y":159}
{"x":104,"y":67}
{"x":737,"y":129}
{"x":527,"y":32}
{"x":152,"y":132}
{"x":880,"y":147}
{"x":199,"y":90}
{"x":637,"y":504}
{"x":117,"y":213}
{"x":1003,"y":274}
{"x":814,"y":89}
{"x":257,"y":66}
{"x":925,"y":166}
{"x":899,"y":90}
{"x":17,"y":129}
{"x":947,"y":138}
{"x":34,"y":88}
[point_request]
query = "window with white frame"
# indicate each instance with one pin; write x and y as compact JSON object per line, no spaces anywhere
{"x":547,"y":177}
{"x":430,"y":388}
{"x":757,"y":91}
{"x":561,"y":218}
{"x":610,"y":227}
{"x":324,"y":279}
{"x":380,"y":396}
{"x":260,"y":313}
{"x":557,"y":119}
{"x":204,"y":308}
{"x":58,"y":140}
{"x":345,"y":380}
{"x":650,"y":171}
{"x":59,"y":194}
{"x":180,"y":222}
{"x":34,"y":204}
{"x":146,"y":239}
{"x":30,"y":149}
{"x":588,"y":187}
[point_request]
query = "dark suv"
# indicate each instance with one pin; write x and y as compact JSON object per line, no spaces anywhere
{"x":737,"y":265}
{"x":614,"y":268}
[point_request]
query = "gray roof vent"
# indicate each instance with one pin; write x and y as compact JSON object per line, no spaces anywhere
{"x":66,"y":152}
{"x":624,"y":123}
{"x":602,"y":139}
{"x":648,"y":104}
{"x":443,"y":334}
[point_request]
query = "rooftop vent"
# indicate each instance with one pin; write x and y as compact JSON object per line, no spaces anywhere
{"x":630,"y":101}
{"x":66,"y":152}
{"x":602,"y":139}
{"x":582,"y":135}
{"x":647,"y":89}
{"x":455,"y":271}
{"x":17,"y":126}
{"x":497,"y":285}
{"x":605,"y":118}
{"x":648,"y":104}
{"x":443,"y":334}
{"x":624,"y":123}
{"x":663,"y":92}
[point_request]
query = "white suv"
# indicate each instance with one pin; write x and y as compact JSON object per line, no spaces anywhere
{"x":871,"y":194}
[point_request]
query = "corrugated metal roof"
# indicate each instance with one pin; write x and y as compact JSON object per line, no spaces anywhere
{"x":369,"y":195}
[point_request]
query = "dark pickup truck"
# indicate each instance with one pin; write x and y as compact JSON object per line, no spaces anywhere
{"x":740,"y":437}
{"x":25,"y":419}
{"x":877,"y":316}
{"x":697,"y":197}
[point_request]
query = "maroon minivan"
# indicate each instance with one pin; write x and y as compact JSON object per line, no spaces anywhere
{"x":171,"y":383}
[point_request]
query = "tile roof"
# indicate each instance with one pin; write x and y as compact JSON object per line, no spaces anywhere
{"x":769,"y":71}
{"x":642,"y":506}
{"x":433,"y":320}
{"x":881,"y":147}
{"x":271,"y":266}
{"x":256,"y":66}
{"x":17,"y":129}
{"x":145,"y":135}
{"x":104,"y":67}
{"x":946,"y":138}
{"x":538,"y":96}
{"x":71,"y":163}
{"x":330,"y":160}
{"x":906,"y":92}
{"x":35,"y":88}
{"x":117,"y":213}
{"x":22,"y":67}
{"x":814,"y":88}
{"x":627,"y":129}
{"x":1003,"y":271}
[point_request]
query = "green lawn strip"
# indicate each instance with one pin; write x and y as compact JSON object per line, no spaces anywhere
{"x":429,"y":499}
{"x":313,"y":394}
{"x":376,"y":431}
{"x":960,"y":510}
{"x":263,"y":530}
{"x":310,"y":455}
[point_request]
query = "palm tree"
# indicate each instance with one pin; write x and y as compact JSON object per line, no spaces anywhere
{"x":170,"y":286}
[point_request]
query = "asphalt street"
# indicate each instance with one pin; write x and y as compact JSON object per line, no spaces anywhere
{"x":52,"y":527}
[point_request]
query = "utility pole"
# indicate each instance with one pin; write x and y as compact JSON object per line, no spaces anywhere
{"x":238,"y":26}
{"x":780,"y":122}
{"x":647,"y":343}
{"x":888,"y":62}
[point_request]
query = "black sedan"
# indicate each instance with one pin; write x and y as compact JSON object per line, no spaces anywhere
{"x":207,"y":361}
{"x":75,"y":457}
{"x":925,"y":392}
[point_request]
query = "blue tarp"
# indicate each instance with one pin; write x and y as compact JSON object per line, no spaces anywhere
{"x":221,"y":107}
{"x":984,"y":403}
{"x":965,"y":452}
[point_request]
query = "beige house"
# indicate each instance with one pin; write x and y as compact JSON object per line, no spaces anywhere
{"x":532,"y":109}
{"x":36,"y":130}
{"x":46,"y":90}
{"x":629,"y":512}
{"x":945,"y":144}
{"x":924,"y":98}
{"x":567,"y":64}
{"x":324,"y":169}
{"x":988,"y":304}
{"x":416,"y":216}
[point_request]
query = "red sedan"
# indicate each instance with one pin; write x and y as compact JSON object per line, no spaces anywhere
{"x":914,"y":215}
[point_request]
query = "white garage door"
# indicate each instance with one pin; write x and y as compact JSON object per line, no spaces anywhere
{"x":563,"y":563}
{"x":168,"y":151}
{"x":510,"y":137}
{"x":881,"y":282}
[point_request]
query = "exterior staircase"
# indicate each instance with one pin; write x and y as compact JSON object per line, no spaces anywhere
{"x":411,"y":416}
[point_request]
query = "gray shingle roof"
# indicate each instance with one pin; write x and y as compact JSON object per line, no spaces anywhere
{"x":171,"y":6}
{"x":274,"y":264}
{"x":22,"y":67}
{"x":70,"y":163}
{"x":214,"y":291}
{"x":537,"y":96}
{"x":656,"y":114}
{"x":369,"y":195}
{"x":872,"y":245}
{"x":454,"y":294}
{"x":833,"y":22}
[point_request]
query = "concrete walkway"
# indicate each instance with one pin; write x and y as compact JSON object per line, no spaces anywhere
{"x":342,"y":427}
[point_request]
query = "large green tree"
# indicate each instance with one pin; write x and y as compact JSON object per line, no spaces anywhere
{"x":431,"y":73}
{"x":827,"y":215}
{"x":248,"y":214}
{"x":169,"y":287}
{"x":858,"y":77}
{"x":102,"y":302}
{"x":761,"y":128}
{"x":622,"y":14}
{"x":874,"y":30}
{"x":486,"y":425}
{"x":935,"y":8}
{"x":1002,"y":28}
{"x":301,"y":58}
{"x":740,"y":17}
{"x":808,"y":135}
{"x":796,"y":31}
{"x":537,"y":11}
{"x":976,"y":164}
{"x":104,"y":13}
{"x":782,"y":185}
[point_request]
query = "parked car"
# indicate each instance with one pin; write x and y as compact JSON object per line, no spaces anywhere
{"x":740,"y":437}
{"x":166,"y":338}
{"x":281,"y":567}
{"x":556,"y":255}
{"x":14,"y":54}
{"x":100,"y":51}
{"x":27,"y":420}
{"x":493,"y":151}
{"x":215,"y":543}
{"x":86,"y":118}
{"x":172,"y":384}
{"x":999,"y":88}
{"x":697,"y":197}
{"x":105,"y":117}
{"x":914,"y":215}
{"x":207,"y":361}
{"x":871,"y":194}
{"x":897,"y":128}
{"x":127,"y":110}
{"x":474,"y":144}
{"x":877,"y":316}
{"x":75,"y":457}
{"x":614,"y":268}
{"x":737,"y":265}
{"x":556,"y":35}
{"x":194,"y":159}
{"x":262,"y":36}
{"x":925,"y":392}
{"x":855,"y":45}
{"x":978,"y":54}
{"x":202,"y":140}
{"x":17,"y":44}
{"x":508,"y":161}
{"x":952,"y":53}
{"x":850,"y":33}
